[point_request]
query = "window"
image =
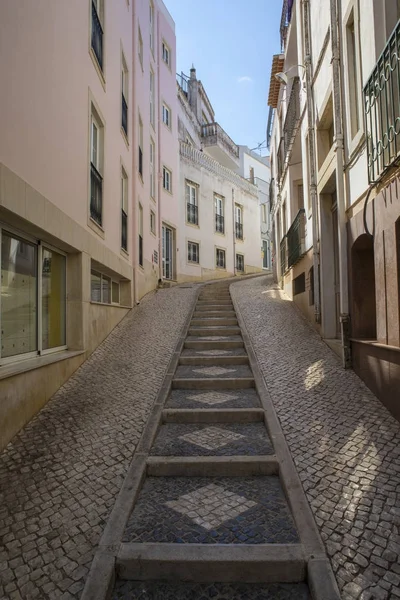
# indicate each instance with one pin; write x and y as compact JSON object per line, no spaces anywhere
{"x":352,"y":71}
{"x":204,"y":119}
{"x":238,"y":222}
{"x":124,"y":94}
{"x":103,"y":289}
{"x":153,"y":222}
{"x":97,"y":31}
{"x":299,"y":284}
{"x":124,"y":210}
{"x":300,"y":196}
{"x":219,"y":214}
{"x":166,"y":115}
{"x":192,"y":216}
{"x":152,"y":101}
{"x":96,"y":179}
{"x":140,"y":147}
{"x":264,"y":213}
{"x":239,"y":262}
{"x":167,"y":179}
{"x":193,"y":252}
{"x":166,"y":54}
{"x":25,"y":295}
{"x":220,"y":258}
{"x":140,"y":235}
{"x":251,"y":177}
{"x":140,"y":48}
{"x":152,"y":169}
{"x":152,"y":26}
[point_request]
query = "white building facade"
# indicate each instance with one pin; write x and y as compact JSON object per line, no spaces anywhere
{"x":219,"y":208}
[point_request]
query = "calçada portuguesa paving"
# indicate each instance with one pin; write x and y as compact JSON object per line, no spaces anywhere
{"x":211,"y":472}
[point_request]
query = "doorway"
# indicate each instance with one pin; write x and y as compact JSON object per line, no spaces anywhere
{"x":167,"y":252}
{"x":336,"y":270}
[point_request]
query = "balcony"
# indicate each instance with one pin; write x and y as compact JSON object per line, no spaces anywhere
{"x":296,"y":239}
{"x":239,"y":231}
{"x":272,"y":195}
{"x":97,"y":36}
{"x":284,"y":253}
{"x":287,"y":7}
{"x":124,"y":115}
{"x":219,"y":224}
{"x":183,"y":82}
{"x":96,"y":195}
{"x":192,"y":216}
{"x":290,"y":129}
{"x":218,"y":145}
{"x":382,"y":110}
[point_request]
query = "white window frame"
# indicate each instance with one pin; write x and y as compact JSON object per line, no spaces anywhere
{"x":124,"y":205}
{"x":189,"y":255}
{"x":40,"y":246}
{"x":217,"y":249}
{"x":167,"y":177}
{"x":125,"y":90}
{"x":166,"y":115}
{"x":112,"y":281}
{"x":166,"y":53}
{"x":140,"y":47}
{"x":152,"y":169}
{"x":152,"y":222}
{"x":236,"y":261}
{"x":151,"y":23}
{"x":152,"y":97}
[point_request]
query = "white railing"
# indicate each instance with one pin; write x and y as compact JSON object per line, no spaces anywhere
{"x":199,"y":158}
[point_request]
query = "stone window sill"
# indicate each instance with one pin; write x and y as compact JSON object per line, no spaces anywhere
{"x":30,"y":364}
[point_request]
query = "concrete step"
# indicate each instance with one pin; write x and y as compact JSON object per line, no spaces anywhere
{"x":210,"y":415}
{"x":214,"y":466}
{"x":209,"y":361}
{"x":213,"y":321}
{"x":267,"y":563}
{"x":213,"y":313}
{"x":213,"y":384}
{"x":197,"y":343}
{"x":214,"y":302}
{"x":217,"y":331}
{"x":181,"y":590}
{"x":215,"y":297}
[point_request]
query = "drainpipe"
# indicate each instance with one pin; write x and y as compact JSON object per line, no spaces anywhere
{"x":340,"y":187}
{"x":234,"y":231}
{"x":312,"y":157}
{"x":134,"y":207}
{"x":159,"y":175}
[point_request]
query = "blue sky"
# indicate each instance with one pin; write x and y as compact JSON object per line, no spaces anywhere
{"x":231,"y":43}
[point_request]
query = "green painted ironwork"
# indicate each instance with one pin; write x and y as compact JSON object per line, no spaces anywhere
{"x":296,"y":238}
{"x":284,"y":264}
{"x":382,"y":109}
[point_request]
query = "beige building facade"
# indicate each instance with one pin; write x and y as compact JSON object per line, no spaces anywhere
{"x":334,"y":191}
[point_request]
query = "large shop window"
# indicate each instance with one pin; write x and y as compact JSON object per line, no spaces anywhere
{"x":103,"y":289}
{"x":33,"y":298}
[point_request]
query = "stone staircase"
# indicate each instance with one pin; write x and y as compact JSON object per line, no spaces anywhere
{"x":215,"y":508}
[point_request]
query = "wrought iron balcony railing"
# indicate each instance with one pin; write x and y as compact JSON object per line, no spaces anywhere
{"x":286,"y":16}
{"x":292,"y":116}
{"x":272,"y":194}
{"x":284,"y":253}
{"x":97,"y":36}
{"x":192,"y":215}
{"x":124,"y":230}
{"x":96,"y":195}
{"x":296,"y":239}
{"x":212,"y":133}
{"x":219,"y":224}
{"x":382,"y":109}
{"x":280,"y":159}
{"x":140,"y":250}
{"x":183,"y":82}
{"x":239,"y":231}
{"x":124,"y":115}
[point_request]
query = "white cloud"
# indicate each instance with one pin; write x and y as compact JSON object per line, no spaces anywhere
{"x":245,"y":79}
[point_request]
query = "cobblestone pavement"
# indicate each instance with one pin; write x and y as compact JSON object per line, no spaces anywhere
{"x":59,"y":477}
{"x":345,"y":444}
{"x":197,"y":510}
{"x":204,"y":591}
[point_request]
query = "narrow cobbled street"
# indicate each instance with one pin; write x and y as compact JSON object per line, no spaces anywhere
{"x":168,"y":457}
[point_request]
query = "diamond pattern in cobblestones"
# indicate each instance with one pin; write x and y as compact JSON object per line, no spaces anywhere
{"x":233,"y":439}
{"x":60,"y":476}
{"x":345,"y":444}
{"x":268,"y":520}
{"x":197,"y":399}
{"x":135,"y":590}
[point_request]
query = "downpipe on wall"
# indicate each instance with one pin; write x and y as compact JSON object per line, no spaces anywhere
{"x":313,"y":167}
{"x":340,"y":185}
